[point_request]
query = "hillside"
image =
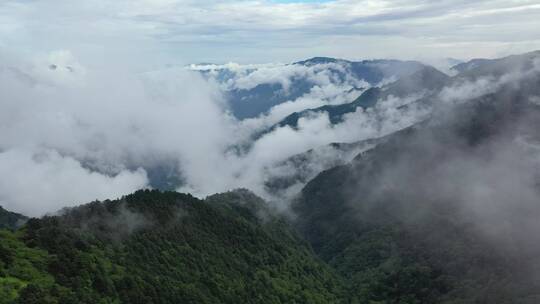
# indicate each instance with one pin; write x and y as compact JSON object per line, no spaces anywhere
{"x":11,"y":220}
{"x":441,"y":212}
{"x":154,"y":247}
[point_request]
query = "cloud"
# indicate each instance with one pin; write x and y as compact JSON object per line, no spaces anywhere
{"x":109,"y":130}
{"x":465,"y":88}
{"x":477,"y":160}
{"x":316,"y":129}
{"x":35,"y":182}
{"x":328,"y":94}
{"x":491,"y":186}
{"x":260,"y":164}
{"x":320,"y":74}
{"x":117,"y":128}
{"x":75,"y":83}
{"x":116,"y":124}
{"x":264,"y":31}
{"x":327,"y":84}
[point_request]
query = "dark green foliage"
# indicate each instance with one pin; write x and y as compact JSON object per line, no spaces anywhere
{"x":166,"y":247}
{"x":23,"y":270}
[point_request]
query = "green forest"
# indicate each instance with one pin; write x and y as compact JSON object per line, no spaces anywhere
{"x":163,"y":247}
{"x":168,"y":247}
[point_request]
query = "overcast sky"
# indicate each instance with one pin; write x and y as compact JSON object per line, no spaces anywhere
{"x":156,"y":32}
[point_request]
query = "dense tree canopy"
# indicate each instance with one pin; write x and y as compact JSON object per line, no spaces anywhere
{"x":154,"y":247}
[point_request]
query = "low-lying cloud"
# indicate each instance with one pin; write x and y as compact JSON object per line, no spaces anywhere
{"x":71,"y":134}
{"x":115,"y":123}
{"x":476,"y":163}
{"x":36,"y":182}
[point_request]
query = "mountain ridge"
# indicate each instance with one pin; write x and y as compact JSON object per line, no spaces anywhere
{"x":400,"y":224}
{"x":163,"y":247}
{"x":11,"y":220}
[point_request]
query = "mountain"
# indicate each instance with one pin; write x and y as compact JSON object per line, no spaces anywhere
{"x":163,"y":247}
{"x":417,"y":96}
{"x":469,"y":65}
{"x":423,"y":217}
{"x":285,"y":179}
{"x":495,"y":66}
{"x":424,"y":80}
{"x":254,"y":90}
{"x":372,"y":71}
{"x":11,"y":220}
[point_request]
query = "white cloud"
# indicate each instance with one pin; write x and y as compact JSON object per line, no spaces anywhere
{"x":38,"y":182}
{"x":263,"y":31}
{"x":118,"y":124}
{"x":109,"y":121}
{"x":331,"y":84}
{"x":465,"y":88}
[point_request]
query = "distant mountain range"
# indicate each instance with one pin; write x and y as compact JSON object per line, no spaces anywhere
{"x":266,"y":92}
{"x":421,"y":89}
{"x":425,"y":80}
{"x":415,"y":85}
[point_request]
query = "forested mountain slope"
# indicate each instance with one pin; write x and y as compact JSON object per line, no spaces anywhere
{"x":153,"y":247}
{"x":445,"y":211}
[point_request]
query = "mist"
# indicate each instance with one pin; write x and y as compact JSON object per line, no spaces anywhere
{"x":75,"y":133}
{"x":475,"y":163}
{"x":94,"y":133}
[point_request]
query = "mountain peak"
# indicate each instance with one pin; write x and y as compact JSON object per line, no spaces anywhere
{"x":318,"y":60}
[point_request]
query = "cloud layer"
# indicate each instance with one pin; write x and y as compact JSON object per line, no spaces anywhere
{"x":264,"y":31}
{"x":80,"y":111}
{"x":72,"y":134}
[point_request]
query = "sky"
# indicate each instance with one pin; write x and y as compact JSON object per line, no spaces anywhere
{"x":149,"y":33}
